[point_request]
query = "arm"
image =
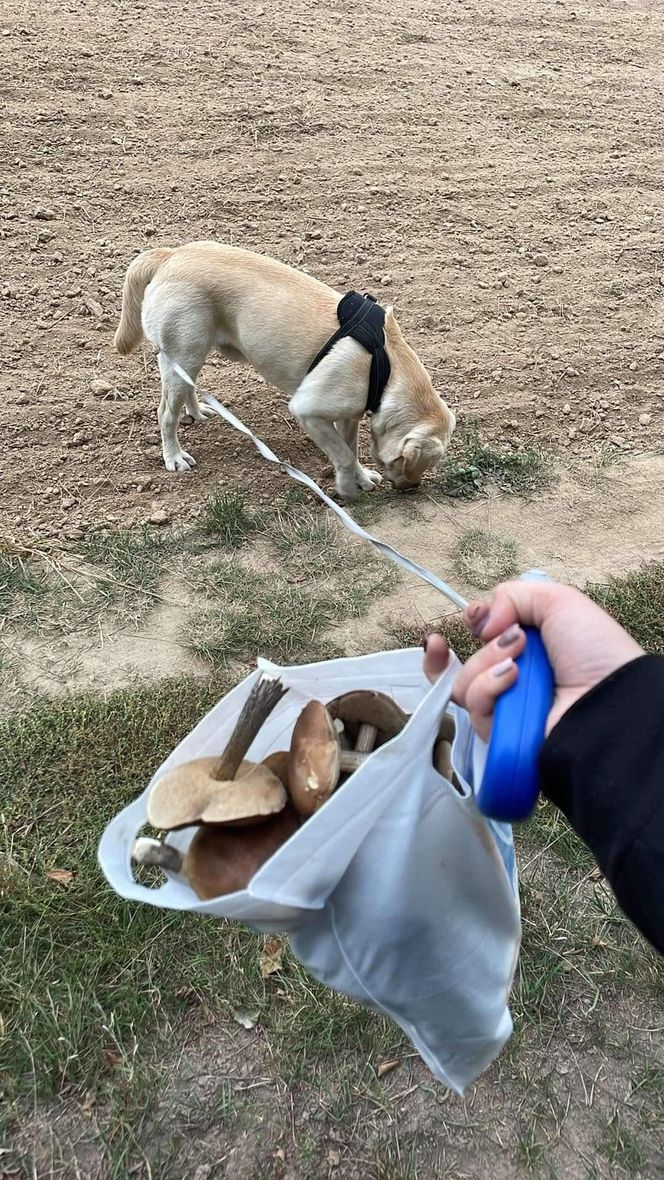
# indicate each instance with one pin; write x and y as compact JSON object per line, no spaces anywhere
{"x":603,"y":766}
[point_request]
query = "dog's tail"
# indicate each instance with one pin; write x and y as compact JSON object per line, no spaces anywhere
{"x":141,"y":271}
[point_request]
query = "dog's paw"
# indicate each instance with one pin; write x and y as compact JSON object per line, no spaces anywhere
{"x":375,"y":477}
{"x":180,"y":461}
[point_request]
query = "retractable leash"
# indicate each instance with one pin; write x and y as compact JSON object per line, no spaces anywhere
{"x":510,"y":785}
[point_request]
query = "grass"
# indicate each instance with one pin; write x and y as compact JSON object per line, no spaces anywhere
{"x":22,"y":589}
{"x":482,"y":559}
{"x":637,"y":602}
{"x":285,"y":613}
{"x":228,"y":520}
{"x":472,"y":466}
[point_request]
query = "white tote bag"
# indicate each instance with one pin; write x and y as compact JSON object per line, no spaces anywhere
{"x":398,"y":892}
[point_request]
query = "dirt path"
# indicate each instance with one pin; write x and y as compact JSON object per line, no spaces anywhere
{"x":497,"y":173}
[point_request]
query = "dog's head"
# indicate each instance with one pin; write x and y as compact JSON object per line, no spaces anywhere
{"x":406,"y":457}
{"x":413,"y":428}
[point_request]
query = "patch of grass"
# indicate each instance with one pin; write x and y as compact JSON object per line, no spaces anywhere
{"x":450,"y":626}
{"x":228,"y":519}
{"x":482,"y":559}
{"x":637,"y":602}
{"x":474,"y":465}
{"x":621,"y":1147}
{"x":22,"y":589}
{"x":134,"y":558}
{"x":267,"y":615}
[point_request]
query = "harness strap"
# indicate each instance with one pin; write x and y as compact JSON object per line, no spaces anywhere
{"x":363,"y":318}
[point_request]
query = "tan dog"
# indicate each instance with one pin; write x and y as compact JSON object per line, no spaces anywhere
{"x":204,"y":296}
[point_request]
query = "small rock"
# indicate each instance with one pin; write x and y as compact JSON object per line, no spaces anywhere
{"x":567,"y":409}
{"x":386,"y":281}
{"x":541,"y":260}
{"x":74,"y":534}
{"x":78,"y":440}
{"x":160,"y":516}
{"x":93,"y":306}
{"x":99,"y":388}
{"x":149,"y":231}
{"x":44,"y":214}
{"x":557,"y":270}
{"x":23,"y":400}
{"x":45,"y":236}
{"x":572,"y":432}
{"x":314,"y":235}
{"x":645,"y":419}
{"x":617,"y":440}
{"x":73,"y":292}
{"x":633,"y":367}
{"x":106,"y":93}
{"x":539,"y":413}
{"x":144,"y":485}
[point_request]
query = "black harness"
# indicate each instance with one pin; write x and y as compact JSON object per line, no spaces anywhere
{"x":362,"y":317}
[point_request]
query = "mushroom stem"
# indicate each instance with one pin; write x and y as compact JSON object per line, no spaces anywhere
{"x":366,"y":739}
{"x":266,"y":693}
{"x":147,"y":851}
{"x":351,"y":760}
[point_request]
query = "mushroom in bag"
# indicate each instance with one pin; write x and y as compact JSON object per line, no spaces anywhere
{"x":226,"y":789}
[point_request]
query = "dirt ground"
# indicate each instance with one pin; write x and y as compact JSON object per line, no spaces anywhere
{"x":496,"y":173}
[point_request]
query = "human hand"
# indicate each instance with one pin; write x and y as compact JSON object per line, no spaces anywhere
{"x":583,"y":643}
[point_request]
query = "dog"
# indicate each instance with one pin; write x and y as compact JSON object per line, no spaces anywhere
{"x":251,"y":308}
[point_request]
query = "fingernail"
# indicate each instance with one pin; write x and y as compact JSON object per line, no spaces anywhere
{"x":479,"y":620}
{"x":502,"y":668}
{"x":426,"y":636}
{"x":509,"y":636}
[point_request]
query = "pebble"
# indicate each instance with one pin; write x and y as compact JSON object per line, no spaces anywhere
{"x":633,"y":367}
{"x":541,"y":260}
{"x":69,"y":502}
{"x":79,"y":439}
{"x":100,"y":388}
{"x":567,"y":409}
{"x":386,"y":281}
{"x":160,"y":516}
{"x":74,"y":534}
{"x":45,"y":236}
{"x":645,"y":419}
{"x":314,"y":235}
{"x":44,"y":214}
{"x":23,"y":400}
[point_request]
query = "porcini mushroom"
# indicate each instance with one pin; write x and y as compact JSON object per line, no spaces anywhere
{"x":315,"y":759}
{"x":442,"y":750}
{"x":220,"y":860}
{"x":369,"y":709}
{"x":224,"y":789}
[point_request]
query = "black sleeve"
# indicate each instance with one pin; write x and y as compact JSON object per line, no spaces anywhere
{"x":603,"y":765}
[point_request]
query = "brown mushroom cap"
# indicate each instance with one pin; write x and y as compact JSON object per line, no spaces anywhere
{"x":314,"y":765}
{"x":222,"y":860}
{"x":369,"y":708}
{"x":278,"y":764}
{"x":189,"y":795}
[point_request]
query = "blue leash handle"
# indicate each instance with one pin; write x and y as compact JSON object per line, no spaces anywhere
{"x":510,"y":784}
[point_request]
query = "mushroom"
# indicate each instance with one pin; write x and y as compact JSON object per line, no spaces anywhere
{"x":442,"y":750}
{"x":315,"y":759}
{"x":224,"y":789}
{"x":318,"y":759}
{"x":362,"y":709}
{"x":220,"y":860}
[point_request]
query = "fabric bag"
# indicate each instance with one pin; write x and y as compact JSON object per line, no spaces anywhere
{"x":397,"y":892}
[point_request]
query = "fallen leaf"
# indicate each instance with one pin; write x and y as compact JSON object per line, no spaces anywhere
{"x":112,"y":1058}
{"x":62,"y":876}
{"x":386,"y":1067}
{"x":334,"y":1158}
{"x":272,"y":956}
{"x":245,"y":1018}
{"x":279,"y":1154}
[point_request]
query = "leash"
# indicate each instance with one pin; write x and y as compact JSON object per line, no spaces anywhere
{"x":346,"y":519}
{"x":509,"y":788}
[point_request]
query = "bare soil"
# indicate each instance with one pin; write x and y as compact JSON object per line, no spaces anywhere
{"x":497,"y":173}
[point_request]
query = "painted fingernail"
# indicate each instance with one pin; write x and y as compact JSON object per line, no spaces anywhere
{"x":426,"y":636}
{"x":502,"y":668}
{"x":509,"y":636}
{"x":480,"y":620}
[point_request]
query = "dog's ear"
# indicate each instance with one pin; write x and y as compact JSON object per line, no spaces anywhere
{"x":419,"y":454}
